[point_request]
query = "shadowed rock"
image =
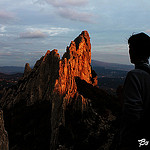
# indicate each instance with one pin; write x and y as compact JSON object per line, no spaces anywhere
{"x":27,"y":70}
{"x":48,"y":108}
{"x":3,"y":134}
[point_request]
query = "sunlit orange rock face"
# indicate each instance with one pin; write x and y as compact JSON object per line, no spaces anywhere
{"x":76,"y":62}
{"x":54,"y":76}
{"x":48,"y":90}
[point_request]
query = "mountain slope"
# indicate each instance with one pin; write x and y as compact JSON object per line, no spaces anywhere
{"x":57,"y":104}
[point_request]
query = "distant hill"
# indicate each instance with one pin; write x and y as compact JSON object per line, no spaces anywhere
{"x":11,"y":69}
{"x":95,"y":64}
{"x":110,"y":75}
{"x":112,"y":66}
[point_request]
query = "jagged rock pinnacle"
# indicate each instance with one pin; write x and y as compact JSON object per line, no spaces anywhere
{"x":53,"y":80}
{"x":76,"y":62}
{"x":47,"y":53}
{"x":27,"y":70}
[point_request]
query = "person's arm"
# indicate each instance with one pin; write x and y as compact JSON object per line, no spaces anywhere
{"x":132,"y":110}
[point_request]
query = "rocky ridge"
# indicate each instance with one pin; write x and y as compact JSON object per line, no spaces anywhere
{"x":55,"y":103}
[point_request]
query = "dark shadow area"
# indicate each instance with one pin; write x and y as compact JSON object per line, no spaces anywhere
{"x":28,"y":127}
{"x":100,"y":99}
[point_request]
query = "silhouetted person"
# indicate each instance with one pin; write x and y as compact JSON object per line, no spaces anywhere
{"x":136,"y":94}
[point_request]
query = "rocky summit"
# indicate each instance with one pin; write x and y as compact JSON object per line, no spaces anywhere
{"x":57,"y":104}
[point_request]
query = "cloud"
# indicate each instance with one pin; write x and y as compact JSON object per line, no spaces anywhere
{"x":42,"y":33}
{"x":55,"y":31}
{"x":71,"y":9}
{"x":6,"y":16}
{"x":2,"y":28}
{"x":64,"y":3}
{"x":5,"y":54}
{"x":75,"y":15}
{"x":115,"y":49}
{"x":33,"y":34}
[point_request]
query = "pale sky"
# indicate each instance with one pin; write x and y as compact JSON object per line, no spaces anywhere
{"x":31,"y":27}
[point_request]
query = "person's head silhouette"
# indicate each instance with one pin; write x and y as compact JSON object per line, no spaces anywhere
{"x":139,"y":48}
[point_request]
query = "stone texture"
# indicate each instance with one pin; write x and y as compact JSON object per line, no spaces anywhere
{"x":3,"y":134}
{"x":53,"y":80}
{"x":36,"y":84}
{"x":76,"y":62}
{"x":57,"y":104}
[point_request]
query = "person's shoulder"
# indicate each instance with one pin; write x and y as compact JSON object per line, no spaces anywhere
{"x":137,"y":72}
{"x":134,"y":71}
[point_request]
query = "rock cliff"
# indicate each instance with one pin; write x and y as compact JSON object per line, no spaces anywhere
{"x":3,"y":134}
{"x":54,"y":105}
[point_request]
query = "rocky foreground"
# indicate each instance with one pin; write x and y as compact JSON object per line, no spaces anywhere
{"x":58,"y":106}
